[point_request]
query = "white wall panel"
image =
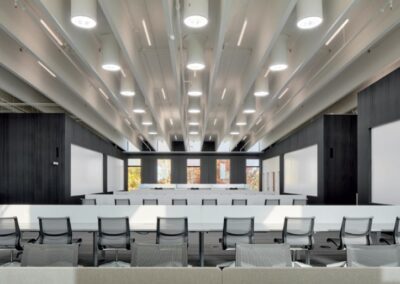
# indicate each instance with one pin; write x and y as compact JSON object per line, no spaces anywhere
{"x":86,"y":171}
{"x":301,"y":171}
{"x":115,"y":174}
{"x":385,"y":163}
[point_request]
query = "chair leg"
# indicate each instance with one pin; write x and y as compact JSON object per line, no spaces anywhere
{"x":116,"y":255}
{"x":308,"y":257}
{"x":12,"y":256}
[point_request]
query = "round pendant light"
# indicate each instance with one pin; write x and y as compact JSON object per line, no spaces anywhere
{"x":84,"y":13}
{"x":194,"y":105}
{"x":195,"y":61}
{"x":261,"y":87}
{"x":110,"y":53}
{"x":235,"y":131}
{"x":249,"y":105}
{"x":309,"y":14}
{"x":241,"y":120}
{"x":127,"y":87}
{"x":195,"y":88}
{"x":147,"y":120}
{"x":139,"y":105}
{"x":195,"y":13}
{"x":193,"y":121}
{"x":278,"y":61}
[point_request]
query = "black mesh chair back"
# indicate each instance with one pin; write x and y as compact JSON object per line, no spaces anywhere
{"x":179,"y":202}
{"x":125,"y":201}
{"x":209,"y":202}
{"x":10,"y":234}
{"x":150,"y":201}
{"x":237,"y":231}
{"x":172,"y":231}
{"x":159,"y":255}
{"x":239,"y":201}
{"x":263,"y":255}
{"x":114,"y":233}
{"x":299,"y":232}
{"x":373,"y":256}
{"x":396,"y":233}
{"x":272,"y":202}
{"x":88,"y":201}
{"x":55,"y":230}
{"x":59,"y":255}
{"x":299,"y":202}
{"x":355,"y":231}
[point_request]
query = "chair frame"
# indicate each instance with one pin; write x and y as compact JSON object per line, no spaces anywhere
{"x":226,"y":234}
{"x":43,"y":234}
{"x":17,"y":235}
{"x":185,"y":233}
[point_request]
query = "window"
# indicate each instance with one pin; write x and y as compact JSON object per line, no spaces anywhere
{"x":164,"y":171}
{"x":253,"y":174}
{"x":223,"y":171}
{"x":193,"y":171}
{"x":134,"y":173}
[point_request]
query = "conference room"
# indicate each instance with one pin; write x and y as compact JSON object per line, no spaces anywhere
{"x":199,"y":141}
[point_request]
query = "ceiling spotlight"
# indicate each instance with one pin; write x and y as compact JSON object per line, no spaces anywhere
{"x":127,"y":87}
{"x":138,"y":105}
{"x":194,"y":105}
{"x":278,"y":61}
{"x":110,"y":53}
{"x":152,"y":132}
{"x":195,"y":89}
{"x":261,"y":87}
{"x":309,"y":14}
{"x":249,"y":105}
{"x":84,"y":13}
{"x":195,"y":60}
{"x":241,"y":120}
{"x":147,"y":120}
{"x":195,"y":14}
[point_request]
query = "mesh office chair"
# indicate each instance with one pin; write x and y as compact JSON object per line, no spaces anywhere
{"x":239,"y":201}
{"x":298,"y":233}
{"x":150,"y":201}
{"x":263,"y":255}
{"x":179,"y":202}
{"x":156,"y":255}
{"x":299,"y":202}
{"x":122,"y":201}
{"x":114,"y":235}
{"x":10,"y":238}
{"x":50,"y":255}
{"x":272,"y":202}
{"x":88,"y":201}
{"x":237,"y":231}
{"x":373,"y":256}
{"x":55,"y":231}
{"x":394,"y":237}
{"x":353,"y":231}
{"x":209,"y":202}
{"x":172,"y":231}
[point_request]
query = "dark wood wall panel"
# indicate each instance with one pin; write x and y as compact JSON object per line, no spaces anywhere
{"x":377,"y":105}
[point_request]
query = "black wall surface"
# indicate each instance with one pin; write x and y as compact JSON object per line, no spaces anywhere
{"x":35,"y":157}
{"x":208,"y":165}
{"x":336,"y":138}
{"x":377,"y":105}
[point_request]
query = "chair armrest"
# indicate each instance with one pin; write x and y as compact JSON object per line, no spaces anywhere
{"x":333,"y":241}
{"x":383,"y":240}
{"x":300,"y":264}
{"x":226,"y":264}
{"x":337,"y":264}
{"x":278,"y":240}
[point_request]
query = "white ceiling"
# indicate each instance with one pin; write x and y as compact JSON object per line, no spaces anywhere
{"x":318,"y":76}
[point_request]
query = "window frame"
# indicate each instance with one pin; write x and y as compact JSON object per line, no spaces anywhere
{"x":193,"y":167}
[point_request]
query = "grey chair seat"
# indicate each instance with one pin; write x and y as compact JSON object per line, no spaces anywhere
{"x":58,"y":255}
{"x":159,"y":255}
{"x":373,"y":256}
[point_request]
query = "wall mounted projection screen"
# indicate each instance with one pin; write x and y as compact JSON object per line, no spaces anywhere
{"x":115,"y":174}
{"x":301,"y":171}
{"x":385,"y":163}
{"x":86,"y":171}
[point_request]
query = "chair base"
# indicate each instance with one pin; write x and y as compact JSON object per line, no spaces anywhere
{"x":115,"y":264}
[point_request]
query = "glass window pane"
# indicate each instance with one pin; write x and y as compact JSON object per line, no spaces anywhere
{"x":134,"y":177}
{"x":164,"y":171}
{"x":193,"y":162}
{"x":252,"y":162}
{"x":134,"y":162}
{"x":193,"y":175}
{"x":223,"y":171}
{"x":253,"y":178}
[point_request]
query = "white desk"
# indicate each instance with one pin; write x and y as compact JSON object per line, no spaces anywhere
{"x":201,"y":218}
